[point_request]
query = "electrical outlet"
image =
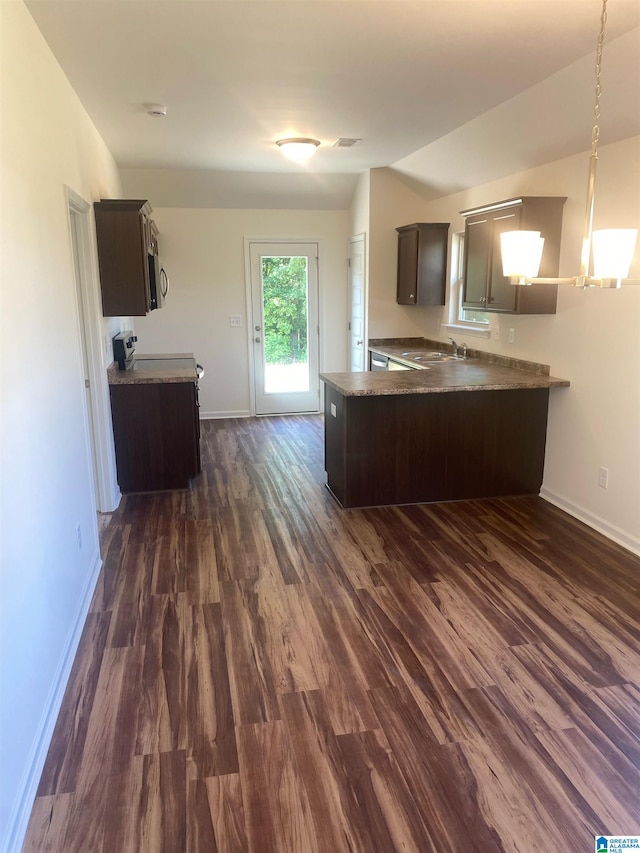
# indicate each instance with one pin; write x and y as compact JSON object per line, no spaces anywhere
{"x":603,"y":478}
{"x":496,"y":333}
{"x":512,"y":335}
{"x":79,"y":536}
{"x":235,"y":320}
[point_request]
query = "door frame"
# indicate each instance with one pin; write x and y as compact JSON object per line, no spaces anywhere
{"x":249,"y":308}
{"x":98,"y":422}
{"x":362,"y":236}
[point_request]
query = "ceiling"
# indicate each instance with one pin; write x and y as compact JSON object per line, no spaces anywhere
{"x":235,"y":75}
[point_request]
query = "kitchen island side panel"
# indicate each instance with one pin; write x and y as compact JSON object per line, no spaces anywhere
{"x":385,"y":450}
{"x":335,"y":443}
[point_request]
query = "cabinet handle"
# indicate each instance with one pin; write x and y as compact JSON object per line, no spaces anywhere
{"x":411,"y":296}
{"x":164,"y":282}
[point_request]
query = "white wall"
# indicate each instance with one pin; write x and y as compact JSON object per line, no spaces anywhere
{"x":203,"y":251}
{"x":47,"y":142}
{"x":360,"y":206}
{"x":593,"y":340}
{"x":392,"y":204}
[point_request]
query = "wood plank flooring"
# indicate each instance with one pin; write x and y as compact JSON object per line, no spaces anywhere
{"x":262,"y":672}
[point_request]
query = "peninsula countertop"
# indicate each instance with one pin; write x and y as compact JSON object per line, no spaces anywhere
{"x":479,"y":372}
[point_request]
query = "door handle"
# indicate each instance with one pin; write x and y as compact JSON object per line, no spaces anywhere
{"x":359,"y":343}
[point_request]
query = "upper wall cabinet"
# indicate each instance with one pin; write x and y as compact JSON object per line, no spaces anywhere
{"x":485,"y":286}
{"x":422,"y":263}
{"x":127,"y":257}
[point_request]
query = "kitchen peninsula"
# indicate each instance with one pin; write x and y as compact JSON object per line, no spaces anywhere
{"x":455,"y":429}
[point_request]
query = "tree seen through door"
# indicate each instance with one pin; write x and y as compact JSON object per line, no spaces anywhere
{"x":284,"y":298}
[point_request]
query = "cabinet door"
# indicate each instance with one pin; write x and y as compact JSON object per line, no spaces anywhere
{"x":156,"y":437}
{"x":476,"y":261}
{"x":422,"y":263}
{"x":123,"y":235}
{"x":433,"y":241}
{"x":501,"y":294}
{"x":407,"y":267}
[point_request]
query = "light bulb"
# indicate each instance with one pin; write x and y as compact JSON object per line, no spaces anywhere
{"x":613,"y":252}
{"x":521,"y":253}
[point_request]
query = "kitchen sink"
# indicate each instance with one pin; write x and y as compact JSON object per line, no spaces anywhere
{"x":433,"y":359}
{"x":426,"y":355}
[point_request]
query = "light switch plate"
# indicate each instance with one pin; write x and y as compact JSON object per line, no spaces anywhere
{"x":334,"y":411}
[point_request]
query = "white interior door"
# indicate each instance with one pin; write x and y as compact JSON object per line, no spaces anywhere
{"x":77,"y":250}
{"x":285,"y":327}
{"x":82,"y":246}
{"x":357,"y":344}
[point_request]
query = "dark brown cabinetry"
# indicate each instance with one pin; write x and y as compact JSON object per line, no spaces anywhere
{"x":422,"y":263}
{"x":415,"y":448}
{"x":156,"y":430}
{"x":127,"y":241}
{"x":485,"y":286}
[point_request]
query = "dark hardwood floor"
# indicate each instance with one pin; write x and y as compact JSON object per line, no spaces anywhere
{"x":261,"y":671}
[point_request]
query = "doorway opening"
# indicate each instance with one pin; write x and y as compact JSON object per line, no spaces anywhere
{"x":284,"y":332}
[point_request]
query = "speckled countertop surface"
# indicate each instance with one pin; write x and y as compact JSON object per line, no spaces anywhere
{"x":479,"y":372}
{"x":134,"y":376}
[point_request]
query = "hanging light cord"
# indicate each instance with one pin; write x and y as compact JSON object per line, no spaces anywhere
{"x":595,"y":134}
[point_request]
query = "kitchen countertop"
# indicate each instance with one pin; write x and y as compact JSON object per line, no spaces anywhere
{"x":479,"y":372}
{"x":138,"y":375}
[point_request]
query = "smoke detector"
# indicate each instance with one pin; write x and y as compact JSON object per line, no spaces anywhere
{"x":155,"y":109}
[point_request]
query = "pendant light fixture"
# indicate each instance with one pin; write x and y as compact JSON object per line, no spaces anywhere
{"x":298,"y":148}
{"x":612,"y":248}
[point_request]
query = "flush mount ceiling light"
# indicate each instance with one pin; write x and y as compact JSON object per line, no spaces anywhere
{"x":612,"y":248}
{"x":297,"y":148}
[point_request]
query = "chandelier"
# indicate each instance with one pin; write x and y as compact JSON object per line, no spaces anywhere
{"x":612,"y":249}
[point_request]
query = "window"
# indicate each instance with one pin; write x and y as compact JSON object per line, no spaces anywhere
{"x":458,"y":315}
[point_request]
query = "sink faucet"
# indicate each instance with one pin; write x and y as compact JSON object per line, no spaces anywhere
{"x":458,"y":351}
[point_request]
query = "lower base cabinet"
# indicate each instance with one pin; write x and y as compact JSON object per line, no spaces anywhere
{"x":156,"y":430}
{"x":419,"y":448}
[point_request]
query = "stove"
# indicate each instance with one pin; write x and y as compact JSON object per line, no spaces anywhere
{"x":143,"y":363}
{"x":124,"y":349}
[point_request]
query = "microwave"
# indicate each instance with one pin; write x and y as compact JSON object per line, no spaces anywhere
{"x":158,"y":278}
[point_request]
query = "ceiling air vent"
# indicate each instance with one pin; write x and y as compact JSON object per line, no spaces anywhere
{"x":345,"y":142}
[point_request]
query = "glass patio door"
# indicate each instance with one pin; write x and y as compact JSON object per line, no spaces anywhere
{"x":285,"y":333}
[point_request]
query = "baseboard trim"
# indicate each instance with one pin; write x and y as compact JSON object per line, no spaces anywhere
{"x":21,"y":812}
{"x":619,"y":536}
{"x":215,"y":416}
